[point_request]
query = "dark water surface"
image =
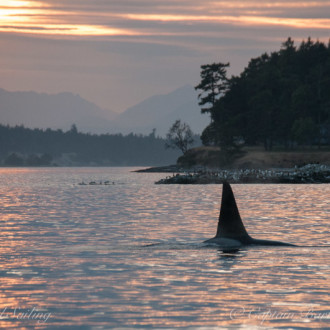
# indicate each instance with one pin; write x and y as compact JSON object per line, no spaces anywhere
{"x":75,"y":257}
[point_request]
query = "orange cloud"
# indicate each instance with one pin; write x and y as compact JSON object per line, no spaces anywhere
{"x":29,"y":17}
{"x":315,"y":23}
{"x":67,"y":30}
{"x":268,"y":4}
{"x":237,"y":20}
{"x":33,"y":17}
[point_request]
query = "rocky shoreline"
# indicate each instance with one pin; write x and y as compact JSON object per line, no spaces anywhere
{"x":162,"y":169}
{"x":312,"y":173}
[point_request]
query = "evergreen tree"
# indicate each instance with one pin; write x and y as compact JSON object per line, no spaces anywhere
{"x":213,"y":84}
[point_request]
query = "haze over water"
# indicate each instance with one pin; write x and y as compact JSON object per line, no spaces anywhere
{"x":77,"y":256}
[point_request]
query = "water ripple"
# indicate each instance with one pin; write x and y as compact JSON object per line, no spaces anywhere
{"x":130,"y":254}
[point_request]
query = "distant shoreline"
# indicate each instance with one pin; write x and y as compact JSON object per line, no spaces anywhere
{"x":162,"y":169}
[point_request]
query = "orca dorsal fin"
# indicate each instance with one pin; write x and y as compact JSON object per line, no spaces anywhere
{"x":230,"y":224}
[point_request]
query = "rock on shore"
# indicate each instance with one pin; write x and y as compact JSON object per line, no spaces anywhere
{"x":312,"y":173}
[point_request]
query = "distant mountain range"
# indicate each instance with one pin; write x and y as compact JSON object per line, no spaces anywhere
{"x":160,"y":112}
{"x":40,"y":110}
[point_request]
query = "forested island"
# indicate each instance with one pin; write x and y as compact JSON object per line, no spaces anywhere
{"x":20,"y":146}
{"x":281,"y":99}
{"x":281,"y":103}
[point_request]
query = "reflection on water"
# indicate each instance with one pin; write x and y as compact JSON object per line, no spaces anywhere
{"x":76,"y":256}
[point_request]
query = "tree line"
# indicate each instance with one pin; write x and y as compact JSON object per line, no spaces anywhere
{"x":280,"y":99}
{"x":21,"y":146}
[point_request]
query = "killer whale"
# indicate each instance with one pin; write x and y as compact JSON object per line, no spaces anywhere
{"x":231,"y":232}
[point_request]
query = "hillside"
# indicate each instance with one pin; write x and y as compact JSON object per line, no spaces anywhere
{"x":160,"y":112}
{"x":60,"y":111}
{"x":56,"y":111}
{"x":22,"y":146}
{"x":255,"y":158}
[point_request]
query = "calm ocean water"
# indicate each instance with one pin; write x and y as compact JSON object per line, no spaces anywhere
{"x":77,"y":257}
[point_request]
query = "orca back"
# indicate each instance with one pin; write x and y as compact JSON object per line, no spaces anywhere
{"x":230,"y":224}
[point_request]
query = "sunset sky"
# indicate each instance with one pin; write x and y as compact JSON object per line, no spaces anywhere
{"x":117,"y":53}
